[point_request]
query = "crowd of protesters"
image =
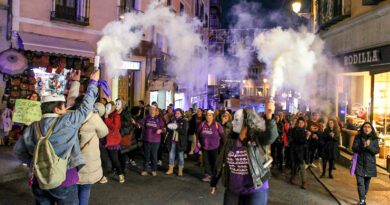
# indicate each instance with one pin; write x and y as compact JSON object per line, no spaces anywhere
{"x":104,"y":137}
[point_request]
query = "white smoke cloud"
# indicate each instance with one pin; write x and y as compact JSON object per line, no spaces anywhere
{"x":295,"y":60}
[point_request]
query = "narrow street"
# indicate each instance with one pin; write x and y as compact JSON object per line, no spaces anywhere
{"x":165,"y":189}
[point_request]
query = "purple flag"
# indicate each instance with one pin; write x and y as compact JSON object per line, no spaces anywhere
{"x":354,"y":161}
{"x":105,"y":87}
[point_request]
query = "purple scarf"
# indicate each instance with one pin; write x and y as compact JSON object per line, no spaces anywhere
{"x":354,"y":162}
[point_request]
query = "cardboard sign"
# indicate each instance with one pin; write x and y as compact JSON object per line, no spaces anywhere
{"x":27,"y":111}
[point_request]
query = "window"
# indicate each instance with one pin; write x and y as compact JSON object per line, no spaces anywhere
{"x":201,"y":15}
{"x":181,"y":9}
{"x":127,"y":6}
{"x":197,"y":8}
{"x":71,"y":11}
{"x":160,"y":41}
{"x":331,"y":12}
{"x":260,"y":92}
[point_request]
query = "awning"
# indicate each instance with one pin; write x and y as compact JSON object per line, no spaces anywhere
{"x":49,"y":44}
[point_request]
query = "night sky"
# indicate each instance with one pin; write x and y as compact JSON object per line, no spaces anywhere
{"x":282,"y":7}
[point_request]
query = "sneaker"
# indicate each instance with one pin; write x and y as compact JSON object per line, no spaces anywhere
{"x":154,"y":173}
{"x":103,"y":180}
{"x":133,"y":163}
{"x":207,"y":178}
{"x":143,"y":173}
{"x":159,"y":163}
{"x":121,"y":179}
{"x":24,"y":165}
{"x":322,"y":175}
{"x":330,"y":176}
{"x":191,"y":153}
{"x":363,"y":202}
{"x":303,"y":185}
{"x":292,"y":181}
{"x":185,"y":156}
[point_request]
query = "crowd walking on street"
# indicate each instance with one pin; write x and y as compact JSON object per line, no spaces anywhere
{"x":95,"y":137}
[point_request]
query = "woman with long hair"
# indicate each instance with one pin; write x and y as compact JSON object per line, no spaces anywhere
{"x":177,"y":141}
{"x":328,"y":143}
{"x":366,"y":146}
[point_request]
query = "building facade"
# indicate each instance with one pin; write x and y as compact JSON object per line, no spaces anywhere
{"x":357,"y":33}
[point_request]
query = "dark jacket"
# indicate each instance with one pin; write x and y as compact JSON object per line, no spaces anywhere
{"x":298,"y":143}
{"x":228,"y":129}
{"x":329,"y":144}
{"x":182,"y":129}
{"x":262,"y":139}
{"x":192,"y":126}
{"x":280,"y":126}
{"x":127,"y":128}
{"x":366,"y":162}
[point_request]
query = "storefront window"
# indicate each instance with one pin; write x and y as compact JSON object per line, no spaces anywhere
{"x":382,"y":103}
{"x":382,"y":114}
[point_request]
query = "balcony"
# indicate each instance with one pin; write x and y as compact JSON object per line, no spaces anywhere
{"x":332,"y":12}
{"x":77,"y":13}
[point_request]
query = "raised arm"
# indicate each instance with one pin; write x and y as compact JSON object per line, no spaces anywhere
{"x":74,"y":91}
{"x":78,"y":117}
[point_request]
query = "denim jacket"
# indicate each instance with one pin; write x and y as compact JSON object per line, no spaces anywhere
{"x":65,"y":134}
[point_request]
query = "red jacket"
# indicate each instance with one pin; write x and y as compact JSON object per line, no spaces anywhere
{"x":113,"y":123}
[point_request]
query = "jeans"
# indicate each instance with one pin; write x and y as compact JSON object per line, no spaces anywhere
{"x":363,"y":184}
{"x":114,"y":156}
{"x":257,"y":198}
{"x":151,"y":150}
{"x":61,"y":195}
{"x":172,"y":155}
{"x":302,"y":170}
{"x":84,"y":193}
{"x":210,"y":160}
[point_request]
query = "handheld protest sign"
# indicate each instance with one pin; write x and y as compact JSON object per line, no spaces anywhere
{"x":27,"y":111}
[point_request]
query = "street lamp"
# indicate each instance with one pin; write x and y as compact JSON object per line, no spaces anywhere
{"x":296,"y":6}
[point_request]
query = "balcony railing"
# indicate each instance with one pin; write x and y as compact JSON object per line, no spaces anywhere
{"x":332,"y":12}
{"x":78,"y":13}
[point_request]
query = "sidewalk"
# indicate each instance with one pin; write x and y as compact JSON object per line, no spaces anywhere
{"x":10,"y":167}
{"x":344,"y":186}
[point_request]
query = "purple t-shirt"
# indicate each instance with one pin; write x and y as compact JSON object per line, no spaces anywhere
{"x":152,"y":125}
{"x":240,"y":179}
{"x":72,"y":177}
{"x":209,"y":136}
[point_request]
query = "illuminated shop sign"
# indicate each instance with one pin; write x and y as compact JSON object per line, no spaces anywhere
{"x":131,"y":65}
{"x":362,"y":57}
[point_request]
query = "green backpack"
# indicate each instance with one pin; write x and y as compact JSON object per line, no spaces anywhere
{"x":48,"y":168}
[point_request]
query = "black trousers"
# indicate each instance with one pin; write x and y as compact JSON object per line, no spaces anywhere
{"x":114,"y":156}
{"x":210,"y":160}
{"x":277,"y":153}
{"x":106,"y":164}
{"x":363,"y":183}
{"x":331,"y":164}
